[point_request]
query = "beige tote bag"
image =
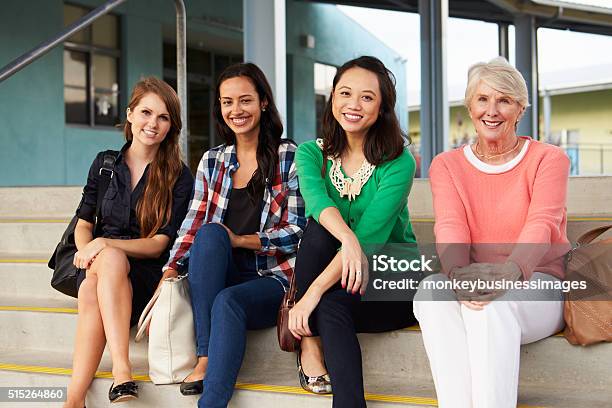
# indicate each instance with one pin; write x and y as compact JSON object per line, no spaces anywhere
{"x":168,"y":315}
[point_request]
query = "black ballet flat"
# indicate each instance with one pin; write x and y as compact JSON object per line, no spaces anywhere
{"x":192,"y":387}
{"x":123,"y":392}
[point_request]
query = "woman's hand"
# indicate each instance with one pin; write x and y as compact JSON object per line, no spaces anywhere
{"x":488,"y":274}
{"x":234,"y":239}
{"x":354,"y":265}
{"x":508,"y":271}
{"x":474,"y":305}
{"x":168,"y":273}
{"x":84,"y":257}
{"x":470,"y":275}
{"x":299,"y":314}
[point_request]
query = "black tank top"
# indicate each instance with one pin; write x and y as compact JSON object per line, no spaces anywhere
{"x":243,"y":217}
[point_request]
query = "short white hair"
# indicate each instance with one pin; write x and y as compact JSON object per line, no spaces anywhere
{"x":499,"y":75}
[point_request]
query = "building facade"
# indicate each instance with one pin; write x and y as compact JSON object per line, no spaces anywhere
{"x":58,"y":112}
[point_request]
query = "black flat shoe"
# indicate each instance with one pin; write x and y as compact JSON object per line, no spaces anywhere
{"x":123,"y":392}
{"x":317,"y":385}
{"x":192,"y":387}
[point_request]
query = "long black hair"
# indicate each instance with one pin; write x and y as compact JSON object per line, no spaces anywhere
{"x":385,"y":139}
{"x":270,"y":125}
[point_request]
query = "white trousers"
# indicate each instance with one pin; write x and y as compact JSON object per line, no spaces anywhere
{"x":475,"y":355}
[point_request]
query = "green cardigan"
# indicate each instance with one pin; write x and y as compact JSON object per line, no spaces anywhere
{"x":379,"y":214}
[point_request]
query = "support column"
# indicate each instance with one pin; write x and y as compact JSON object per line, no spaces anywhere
{"x":265,"y":45}
{"x":301,"y":102}
{"x":434,"y":100}
{"x":503,"y":43}
{"x":546,"y":111}
{"x":527,"y":64}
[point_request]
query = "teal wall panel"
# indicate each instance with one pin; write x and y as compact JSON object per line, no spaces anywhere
{"x":301,"y":115}
{"x":142,"y":50}
{"x":82,"y":145}
{"x":31,"y":101}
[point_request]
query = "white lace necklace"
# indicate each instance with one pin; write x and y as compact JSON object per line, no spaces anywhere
{"x":348,"y":186}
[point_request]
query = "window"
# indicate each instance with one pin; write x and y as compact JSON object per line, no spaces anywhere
{"x":91,"y":70}
{"x":203,"y":69}
{"x":323,"y":83}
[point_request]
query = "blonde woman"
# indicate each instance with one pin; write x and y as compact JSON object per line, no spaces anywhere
{"x":506,"y":190}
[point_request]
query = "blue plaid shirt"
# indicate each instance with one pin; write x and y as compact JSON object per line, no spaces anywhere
{"x":282,"y":217}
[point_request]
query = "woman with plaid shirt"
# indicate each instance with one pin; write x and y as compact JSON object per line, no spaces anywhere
{"x":241,"y":232}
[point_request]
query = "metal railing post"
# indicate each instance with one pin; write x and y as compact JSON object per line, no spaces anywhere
{"x":181,"y":75}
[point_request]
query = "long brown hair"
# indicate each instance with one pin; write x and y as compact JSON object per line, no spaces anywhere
{"x":154,"y":208}
{"x":385,"y":139}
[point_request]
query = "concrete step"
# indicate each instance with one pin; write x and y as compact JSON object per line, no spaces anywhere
{"x":29,"y":277}
{"x":39,"y":202}
{"x":36,"y":225}
{"x":260,"y":387}
{"x":22,"y":237}
{"x":586,"y":196}
{"x":26,"y":236}
{"x":551,"y":363}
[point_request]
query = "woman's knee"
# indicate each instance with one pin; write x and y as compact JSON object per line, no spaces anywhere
{"x":317,"y":240}
{"x":211,"y":234}
{"x":111,"y":263}
{"x":432,"y":298}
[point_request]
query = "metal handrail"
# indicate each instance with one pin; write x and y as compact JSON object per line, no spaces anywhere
{"x":181,"y":52}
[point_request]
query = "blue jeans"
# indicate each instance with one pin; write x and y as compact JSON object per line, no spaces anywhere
{"x":226,"y":301}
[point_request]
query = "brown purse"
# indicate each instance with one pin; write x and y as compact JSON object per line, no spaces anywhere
{"x":286,"y":340}
{"x":588,"y":313}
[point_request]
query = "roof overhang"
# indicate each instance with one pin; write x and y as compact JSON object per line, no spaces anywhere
{"x":563,"y":15}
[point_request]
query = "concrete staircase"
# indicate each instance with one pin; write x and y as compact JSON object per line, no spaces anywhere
{"x":37,"y":325}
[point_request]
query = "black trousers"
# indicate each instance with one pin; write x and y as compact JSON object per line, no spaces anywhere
{"x":339,"y":316}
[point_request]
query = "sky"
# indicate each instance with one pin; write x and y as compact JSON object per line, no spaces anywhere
{"x":470,"y":41}
{"x":599,"y":3}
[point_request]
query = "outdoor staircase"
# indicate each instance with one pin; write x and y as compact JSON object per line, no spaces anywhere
{"x":37,"y":325}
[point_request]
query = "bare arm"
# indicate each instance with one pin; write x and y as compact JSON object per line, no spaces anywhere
{"x":330,"y":275}
{"x":248,"y":241}
{"x":89,"y":248}
{"x":299,"y":314}
{"x":330,"y":219}
{"x":333,"y":222}
{"x":83,"y":233}
{"x":141,"y":248}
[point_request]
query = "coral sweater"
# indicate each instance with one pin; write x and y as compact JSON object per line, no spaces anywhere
{"x":520,"y":204}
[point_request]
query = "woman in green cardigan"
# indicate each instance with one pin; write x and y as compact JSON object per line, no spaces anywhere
{"x":355,"y":182}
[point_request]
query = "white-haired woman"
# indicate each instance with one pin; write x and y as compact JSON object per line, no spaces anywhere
{"x":500,"y":215}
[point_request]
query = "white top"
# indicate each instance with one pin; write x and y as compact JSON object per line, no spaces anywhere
{"x":494,"y":168}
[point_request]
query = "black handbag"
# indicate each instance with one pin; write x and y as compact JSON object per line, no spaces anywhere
{"x":65,"y":273}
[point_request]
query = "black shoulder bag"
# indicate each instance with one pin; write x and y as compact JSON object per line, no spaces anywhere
{"x":65,"y":273}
